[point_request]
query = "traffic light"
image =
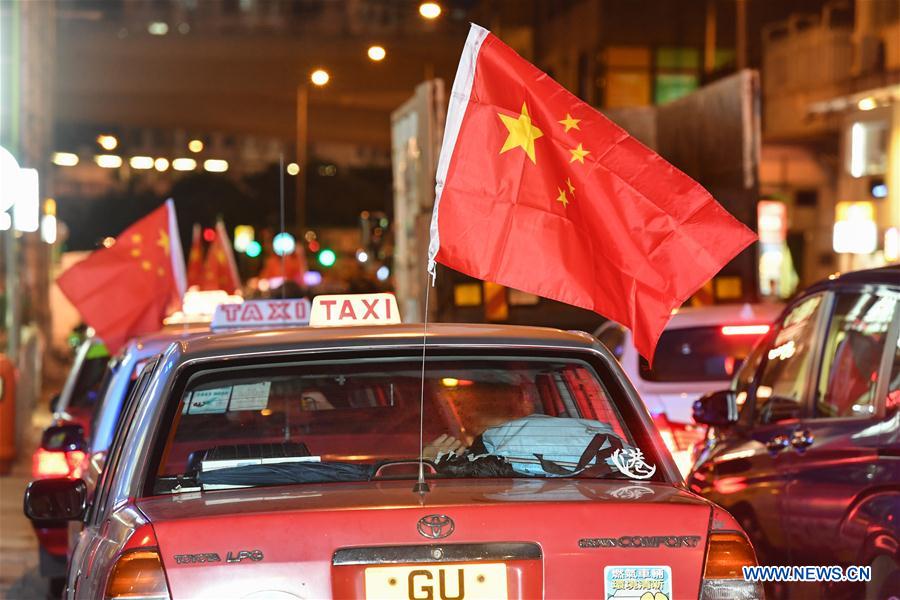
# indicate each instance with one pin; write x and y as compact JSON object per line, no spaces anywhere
{"x":373,"y":232}
{"x":253,"y":249}
{"x":327,"y":257}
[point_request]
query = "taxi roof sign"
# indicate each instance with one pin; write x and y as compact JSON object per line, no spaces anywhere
{"x":262,"y":313}
{"x":339,"y":310}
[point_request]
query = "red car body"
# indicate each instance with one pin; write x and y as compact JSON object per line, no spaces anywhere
{"x":156,"y":531}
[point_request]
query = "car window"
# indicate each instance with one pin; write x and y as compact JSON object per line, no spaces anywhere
{"x":103,"y":391}
{"x":613,"y":337}
{"x":350,"y":417}
{"x":740,"y":384}
{"x":697,"y":354}
{"x":783,"y":379}
{"x":892,"y":402}
{"x":87,"y":384}
{"x":852,"y":354}
{"x":97,"y":511}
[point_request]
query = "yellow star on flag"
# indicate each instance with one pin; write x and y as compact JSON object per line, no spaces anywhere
{"x":163,"y":241}
{"x":521,"y":133}
{"x":571,"y":187}
{"x":570,"y":123}
{"x":578,"y":154}
{"x":136,"y":238}
{"x":562,"y":197}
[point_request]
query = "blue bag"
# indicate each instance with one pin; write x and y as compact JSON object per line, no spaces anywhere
{"x":554,"y":446}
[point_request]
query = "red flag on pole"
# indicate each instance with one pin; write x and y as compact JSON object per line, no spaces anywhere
{"x":195,"y":258}
{"x":124,"y":290}
{"x":220,"y":270}
{"x":538,"y":191}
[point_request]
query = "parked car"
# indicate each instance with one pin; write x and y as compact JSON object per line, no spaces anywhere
{"x":87,"y":411}
{"x":290,"y":463}
{"x":61,"y":452}
{"x":699,"y":352}
{"x":805,"y":446}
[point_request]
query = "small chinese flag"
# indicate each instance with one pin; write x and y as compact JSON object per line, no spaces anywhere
{"x":195,"y":258}
{"x":124,"y":290}
{"x":291,"y":267}
{"x":538,"y":191}
{"x":220,"y":270}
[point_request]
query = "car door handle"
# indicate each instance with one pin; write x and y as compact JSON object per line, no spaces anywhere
{"x":802,"y":439}
{"x":777,"y":444}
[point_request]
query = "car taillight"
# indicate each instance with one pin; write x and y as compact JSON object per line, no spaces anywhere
{"x":727,"y":553}
{"x":678,"y":436}
{"x":680,"y":439}
{"x":745,"y":329}
{"x":665,"y":432}
{"x":55,"y":463}
{"x":139,"y":572}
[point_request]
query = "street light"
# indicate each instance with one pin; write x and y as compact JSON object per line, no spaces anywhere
{"x":141,"y":162}
{"x":430,"y":10}
{"x":65,"y":159}
{"x":319,"y":77}
{"x":195,"y":146}
{"x":108,"y":161}
{"x":184,"y":164}
{"x":107,"y":142}
{"x":377,"y":53}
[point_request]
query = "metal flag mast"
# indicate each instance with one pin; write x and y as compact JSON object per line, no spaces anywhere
{"x":282,"y":232}
{"x":422,"y":486}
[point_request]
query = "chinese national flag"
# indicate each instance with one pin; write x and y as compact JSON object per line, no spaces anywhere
{"x":195,"y":259}
{"x":220,"y":270}
{"x":124,"y":290}
{"x":538,"y":191}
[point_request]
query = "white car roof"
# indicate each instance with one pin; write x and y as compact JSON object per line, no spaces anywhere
{"x":725,"y":314}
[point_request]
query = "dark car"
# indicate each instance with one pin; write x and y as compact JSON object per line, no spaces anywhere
{"x":805,"y":448}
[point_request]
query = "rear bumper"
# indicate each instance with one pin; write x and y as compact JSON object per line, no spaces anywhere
{"x":53,"y":540}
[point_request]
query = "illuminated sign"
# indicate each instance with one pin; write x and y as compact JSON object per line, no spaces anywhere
{"x":855,"y":230}
{"x":354,"y":309}
{"x":253,"y":314}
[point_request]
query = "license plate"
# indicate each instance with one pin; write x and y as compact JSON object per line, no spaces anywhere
{"x":478,"y":581}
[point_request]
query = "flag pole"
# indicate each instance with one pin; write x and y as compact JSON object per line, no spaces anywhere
{"x":281,"y":196}
{"x":421,"y":486}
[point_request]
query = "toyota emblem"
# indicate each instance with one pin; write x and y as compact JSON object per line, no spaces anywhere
{"x":435,"y":527}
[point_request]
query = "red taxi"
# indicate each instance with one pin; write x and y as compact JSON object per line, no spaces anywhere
{"x":350,"y":461}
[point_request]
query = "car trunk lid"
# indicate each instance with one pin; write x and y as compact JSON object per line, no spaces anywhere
{"x":513,"y":538}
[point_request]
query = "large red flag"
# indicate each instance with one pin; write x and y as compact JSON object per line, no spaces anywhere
{"x":220,"y":270}
{"x":124,"y":290}
{"x":538,"y":191}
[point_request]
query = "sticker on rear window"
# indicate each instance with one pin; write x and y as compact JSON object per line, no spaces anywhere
{"x":250,"y":396}
{"x":205,"y":402}
{"x":638,"y":582}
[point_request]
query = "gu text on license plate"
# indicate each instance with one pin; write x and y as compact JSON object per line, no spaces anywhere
{"x":637,"y":582}
{"x":479,"y":581}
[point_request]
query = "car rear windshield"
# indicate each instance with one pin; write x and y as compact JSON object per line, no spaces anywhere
{"x":697,"y":354}
{"x":88,"y":382}
{"x":359,"y":419}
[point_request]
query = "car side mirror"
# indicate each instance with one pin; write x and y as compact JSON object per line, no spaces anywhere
{"x":64,"y":438}
{"x":718,"y":409}
{"x":54,"y":402}
{"x":55,"y":500}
